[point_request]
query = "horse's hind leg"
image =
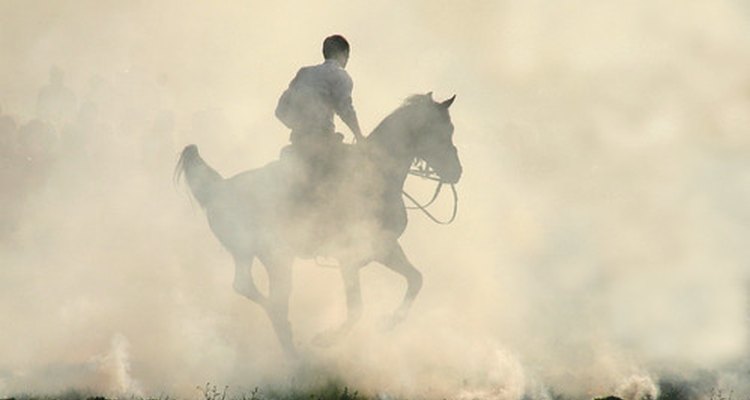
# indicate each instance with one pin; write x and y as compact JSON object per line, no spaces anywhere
{"x":279,"y":290}
{"x":396,"y":260}
{"x":243,"y":281}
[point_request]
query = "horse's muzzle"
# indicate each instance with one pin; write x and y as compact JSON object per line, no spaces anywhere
{"x":452,"y":176}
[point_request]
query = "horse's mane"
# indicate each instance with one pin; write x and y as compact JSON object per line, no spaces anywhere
{"x":408,"y":106}
{"x":418,"y":103}
{"x":417,"y":99}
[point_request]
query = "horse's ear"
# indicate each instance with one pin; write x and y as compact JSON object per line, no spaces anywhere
{"x":448,"y":102}
{"x":429,"y":95}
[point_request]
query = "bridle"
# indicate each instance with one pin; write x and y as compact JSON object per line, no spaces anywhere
{"x":421,"y":169}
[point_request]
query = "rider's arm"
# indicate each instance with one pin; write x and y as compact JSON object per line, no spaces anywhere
{"x":349,"y":116}
{"x":342,"y":96}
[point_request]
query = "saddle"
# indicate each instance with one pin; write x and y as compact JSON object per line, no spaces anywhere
{"x":312,"y":162}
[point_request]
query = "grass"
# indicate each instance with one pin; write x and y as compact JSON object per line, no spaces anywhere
{"x":328,"y":391}
{"x":333,"y":390}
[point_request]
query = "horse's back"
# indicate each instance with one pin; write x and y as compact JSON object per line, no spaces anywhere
{"x":275,"y":201}
{"x":259,"y":182}
{"x":250,"y":195}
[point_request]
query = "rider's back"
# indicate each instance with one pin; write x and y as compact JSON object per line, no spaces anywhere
{"x":313,"y":96}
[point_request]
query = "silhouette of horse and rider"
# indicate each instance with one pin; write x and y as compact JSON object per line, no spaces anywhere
{"x":323,"y":197}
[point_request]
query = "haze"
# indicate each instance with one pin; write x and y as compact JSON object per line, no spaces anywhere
{"x":601,"y":243}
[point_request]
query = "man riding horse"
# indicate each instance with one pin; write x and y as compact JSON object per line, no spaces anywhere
{"x":256,"y":214}
{"x":308,"y":105}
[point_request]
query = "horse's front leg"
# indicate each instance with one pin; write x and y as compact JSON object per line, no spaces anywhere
{"x":395,"y":260}
{"x":350,"y":275}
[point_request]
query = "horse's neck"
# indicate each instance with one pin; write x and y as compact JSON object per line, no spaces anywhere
{"x":389,"y":147}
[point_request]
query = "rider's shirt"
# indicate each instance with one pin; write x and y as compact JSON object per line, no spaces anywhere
{"x":314,"y":95}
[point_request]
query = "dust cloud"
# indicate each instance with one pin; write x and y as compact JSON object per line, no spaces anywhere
{"x":601,"y":244}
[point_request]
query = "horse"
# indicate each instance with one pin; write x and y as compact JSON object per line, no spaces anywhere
{"x":355,"y":215}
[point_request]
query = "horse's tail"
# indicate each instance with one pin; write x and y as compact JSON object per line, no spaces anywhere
{"x":201,"y":178}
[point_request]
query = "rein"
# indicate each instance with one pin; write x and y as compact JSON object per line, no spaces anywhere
{"x":422,"y":170}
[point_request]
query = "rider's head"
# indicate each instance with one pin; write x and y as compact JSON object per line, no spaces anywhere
{"x":335,"y":47}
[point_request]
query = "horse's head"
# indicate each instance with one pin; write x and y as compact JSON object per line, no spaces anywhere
{"x":433,"y":136}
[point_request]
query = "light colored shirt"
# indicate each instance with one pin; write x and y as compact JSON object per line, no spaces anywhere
{"x":319,"y":92}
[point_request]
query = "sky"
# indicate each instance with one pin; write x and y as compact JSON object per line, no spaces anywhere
{"x":601,"y":241}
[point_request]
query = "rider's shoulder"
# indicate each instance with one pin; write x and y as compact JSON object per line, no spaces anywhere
{"x":335,"y":70}
{"x":312,"y":70}
{"x":306,"y":69}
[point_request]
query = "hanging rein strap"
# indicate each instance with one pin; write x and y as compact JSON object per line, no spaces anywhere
{"x":423,"y":171}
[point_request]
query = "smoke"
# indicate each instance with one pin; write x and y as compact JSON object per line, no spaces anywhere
{"x":600,"y":248}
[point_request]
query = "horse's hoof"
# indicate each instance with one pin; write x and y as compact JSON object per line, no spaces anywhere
{"x":326,"y":339}
{"x":290,"y":353}
{"x":390,"y":323}
{"x":387,"y":324}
